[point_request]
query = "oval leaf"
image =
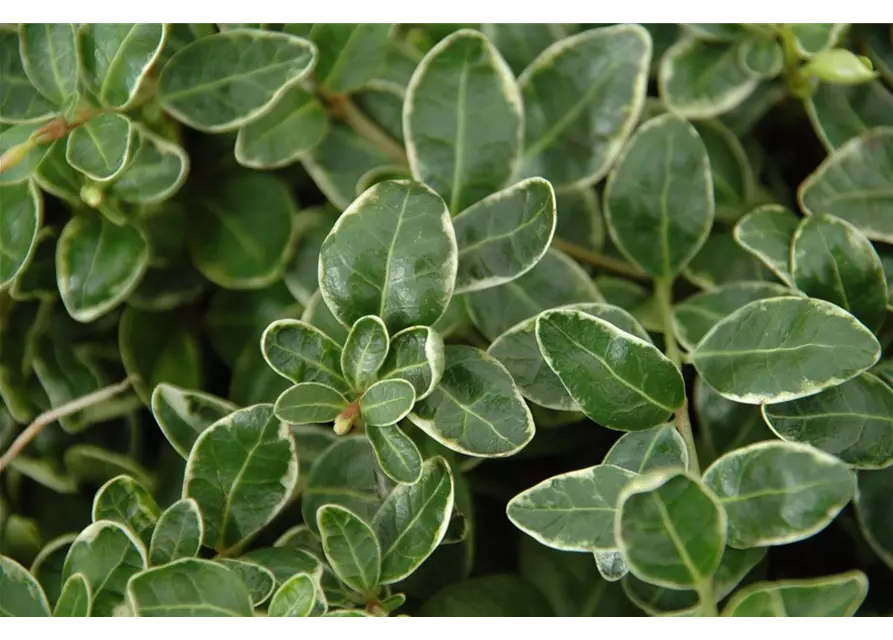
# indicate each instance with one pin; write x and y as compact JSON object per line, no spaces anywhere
{"x":75,"y":601}
{"x":21,"y":101}
{"x":303,"y":353}
{"x":642,"y":451}
{"x":415,"y":355}
{"x":183,"y":414}
{"x":258,"y":580}
{"x":350,"y":546}
{"x":873,"y":511}
{"x":839,"y":112}
{"x":364,"y":351}
{"x":767,"y":233}
{"x":101,"y":147}
{"x":178,"y":533}
{"x":397,"y":454}
{"x":50,"y":59}
{"x":122,"y":499}
{"x":23,"y":596}
{"x":387,"y":402}
{"x":310,"y":403}
{"x":296,"y":598}
{"x":19,"y":227}
{"x":349,"y":54}
{"x":834,"y":596}
{"x":157,"y":171}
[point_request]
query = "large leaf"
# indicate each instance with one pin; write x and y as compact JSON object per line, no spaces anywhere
{"x":463,"y":120}
{"x":50,"y":59}
{"x":873,"y":511}
{"x":397,"y":454}
{"x":350,"y":546}
{"x":303,"y":353}
{"x":833,"y":596}
{"x":21,"y":102}
{"x":23,"y":596}
{"x":643,"y":451}
{"x":839,"y":112}
{"x":102,"y":147}
{"x":310,"y":403}
{"x":19,"y":227}
{"x":767,"y":233}
{"x":349,"y":54}
{"x":75,"y":601}
{"x":183,"y":414}
{"x":178,"y":533}
{"x":364,"y":351}
{"x":415,"y":355}
{"x":124,"y":500}
{"x":784,"y":348}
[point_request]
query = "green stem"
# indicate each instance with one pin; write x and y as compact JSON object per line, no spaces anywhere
{"x":707,"y":596}
{"x":360,"y":122}
{"x":598,"y":260}
{"x":797,"y":83}
{"x":663,"y":292}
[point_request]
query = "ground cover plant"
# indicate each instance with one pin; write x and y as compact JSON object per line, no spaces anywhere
{"x":446,"y":320}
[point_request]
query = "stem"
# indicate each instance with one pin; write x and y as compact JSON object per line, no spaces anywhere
{"x":663,"y":292}
{"x":707,"y":596}
{"x":49,"y":417}
{"x":360,"y":122}
{"x":598,"y":260}
{"x":797,"y":84}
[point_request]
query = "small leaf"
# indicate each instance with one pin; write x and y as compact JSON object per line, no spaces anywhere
{"x":50,"y":59}
{"x":387,"y":402}
{"x":37,"y":280}
{"x":302,"y":353}
{"x":462,"y":150}
{"x":310,"y":403}
{"x":21,"y":101}
{"x":102,"y":147}
{"x":397,"y":454}
{"x":260,"y":472}
{"x":777,"y":493}
{"x":349,"y":54}
{"x":610,"y":565}
{"x":178,"y":533}
{"x":763,"y":57}
{"x":604,"y":370}
{"x":642,"y":451}
{"x":364,"y":352}
{"x":839,"y":66}
{"x":814,"y":38}
{"x":296,"y":598}
{"x":284,"y":562}
{"x":392,"y":254}
{"x":19,"y":227}
{"x":213,"y":590}
{"x":258,"y":580}
{"x":94,"y":465}
{"x":48,"y":564}
{"x":350,"y":546}
{"x":23,"y":596}
{"x":840,"y":595}
{"x":503,"y":236}
{"x":75,"y":601}
{"x":572,"y":511}
{"x":873,"y":511}
{"x":840,"y":112}
{"x":767,"y":233}
{"x":781,"y":349}
{"x":157,"y":171}
{"x":18,"y":136}
{"x":415,"y":355}
{"x":122,"y":499}
{"x":659,"y":197}
{"x":223,"y":81}
{"x":476,"y":408}
{"x":413,"y":520}
{"x":183,"y":414}
{"x":670,"y":529}
{"x":65,"y":376}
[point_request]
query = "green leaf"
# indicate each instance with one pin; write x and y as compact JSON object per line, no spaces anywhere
{"x":604,"y":370}
{"x":301,"y":275}
{"x":116,"y":58}
{"x":581,"y":219}
{"x":397,"y":454}
{"x":107,"y":555}
{"x":157,"y":171}
{"x":164,"y":289}
{"x":492,"y":596}
{"x":463,"y":151}
{"x":521,"y":43}
{"x":19,"y":135}
{"x":21,"y":102}
{"x":349,"y":54}
{"x":476,"y":408}
{"x":50,"y":59}
{"x":364,"y":352}
{"x":839,"y":66}
{"x":284,"y":562}
{"x":298,"y":597}
{"x":242,"y":235}
{"x":75,"y":601}
{"x":659,"y":197}
{"x":178,"y":533}
{"x":730,"y":169}
{"x":295,"y":125}
{"x":241,"y":472}
{"x":415,"y":355}
{"x":854,"y":183}
{"x":310,"y":403}
{"x":413,"y":520}
{"x":503,"y":236}
{"x":392,"y":254}
{"x":223,"y":81}
{"x":596,"y":76}
{"x":183,"y":414}
{"x":648,"y":450}
{"x":65,"y":376}
{"x":697,"y":314}
{"x":700,"y":79}
{"x":19,"y":227}
{"x":312,"y":441}
{"x":387,"y":402}
{"x":784,"y":348}
{"x":37,"y":280}
{"x":762,"y":57}
{"x":767,"y":233}
{"x":48,"y":564}
{"x":350,"y":546}
{"x":122,"y":499}
{"x":840,"y":112}
{"x":714,"y":32}
{"x":102,"y":147}
{"x":572,"y":511}
{"x":303,"y":353}
{"x":318,"y":315}
{"x":721,"y":261}
{"x":670,"y":529}
{"x":813,"y":38}
{"x":777,"y":493}
{"x":258,"y":580}
{"x":210,"y":590}
{"x":94,"y":465}
{"x":873,"y":511}
{"x":840,"y":595}
{"x":555,"y":281}
{"x":22,"y":595}
{"x":98,"y":264}
{"x":832,"y":260}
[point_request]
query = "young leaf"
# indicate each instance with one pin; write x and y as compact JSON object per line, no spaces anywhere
{"x":777,"y":493}
{"x":22,"y":595}
{"x":761,"y":57}
{"x":310,"y":403}
{"x":107,"y":555}
{"x":642,"y":451}
{"x":296,"y":598}
{"x":350,"y":546}
{"x":122,"y":499}
{"x":852,"y":421}
{"x":851,"y":183}
{"x":607,"y":381}
{"x":14,"y":137}
{"x":503,"y":236}
{"x":260,"y":472}
{"x":258,"y":580}
{"x":413,"y":520}
{"x":397,"y":454}
{"x":610,"y":565}
{"x":603,"y":75}
{"x":183,"y":414}
{"x":572,"y":511}
{"x":50,"y":59}
{"x":364,"y":352}
{"x":784,"y":348}
{"x":302,"y":353}
{"x":75,"y":601}
{"x":178,"y":533}
{"x":101,"y":147}
{"x":767,"y":233}
{"x":284,"y":562}
{"x":213,"y":590}
{"x":463,"y":120}
{"x":53,"y":174}
{"x":21,"y":101}
{"x":840,"y":112}
{"x":834,"y":596}
{"x":98,"y":264}
{"x":476,"y":408}
{"x":670,"y":529}
{"x":659,"y":197}
{"x":832,"y":260}
{"x":349,"y":54}
{"x":222,"y":81}
{"x":415,"y":355}
{"x":392,"y":254}
{"x":387,"y":402}
{"x":19,"y":228}
{"x":873,"y":511}
{"x":157,"y":171}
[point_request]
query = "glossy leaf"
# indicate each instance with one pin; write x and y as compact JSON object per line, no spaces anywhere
{"x":610,"y":565}
{"x":350,"y":546}
{"x":19,"y":227}
{"x":364,"y":352}
{"x":648,"y":450}
{"x":156,"y":172}
{"x":21,"y":101}
{"x":730,"y":169}
{"x":813,"y":38}
{"x":48,"y":564}
{"x":416,"y":355}
{"x":722,"y":261}
{"x":183,"y":414}
{"x":102,"y":147}
{"x":50,"y":59}
{"x":23,"y":596}
{"x":310,"y":403}
{"x":520,"y":43}
{"x":834,"y":596}
{"x":258,"y":580}
{"x":296,"y":598}
{"x":13,"y":137}
{"x":349,"y":54}
{"x":122,"y":499}
{"x":873,"y":512}
{"x":767,"y":233}
{"x":303,"y":353}
{"x":75,"y":601}
{"x":178,"y":533}
{"x":284,"y":562}
{"x":387,"y":402}
{"x":396,"y":453}
{"x":761,"y":56}
{"x":840,"y":112}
